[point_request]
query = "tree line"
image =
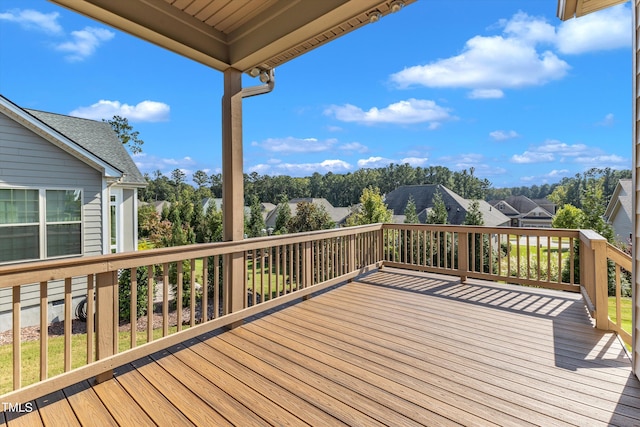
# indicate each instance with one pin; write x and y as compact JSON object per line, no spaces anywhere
{"x":339,"y":189}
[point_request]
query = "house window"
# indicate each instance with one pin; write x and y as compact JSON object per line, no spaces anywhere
{"x":36,"y":224}
{"x":64,"y":222}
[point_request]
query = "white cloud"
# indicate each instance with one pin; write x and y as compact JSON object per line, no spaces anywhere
{"x":489,"y":64}
{"x":503,"y":135}
{"x":84,"y":43}
{"x":302,"y":169}
{"x":374,"y":162}
{"x":354,"y":147}
{"x":150,"y":163}
{"x":553,"y":150}
{"x":557,"y":173}
{"x":145,"y":111}
{"x":415,"y":161}
{"x":532,"y":157}
{"x":557,"y":147}
{"x":608,"y":120}
{"x":604,"y":160}
{"x":486,"y":94}
{"x":411,"y":111}
{"x":472,"y":160}
{"x":603,"y":30}
{"x":33,"y":20}
{"x":295,"y":145}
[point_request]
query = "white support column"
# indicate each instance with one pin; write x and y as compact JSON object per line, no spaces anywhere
{"x":232,"y":187}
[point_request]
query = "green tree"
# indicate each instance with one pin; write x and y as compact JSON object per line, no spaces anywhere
{"x":201,"y":178}
{"x":568,"y":216}
{"x":284,"y":215}
{"x":124,"y":293}
{"x":126,"y":134}
{"x":438,"y":213}
{"x":213,"y":221}
{"x":474,"y":215}
{"x":594,"y":206}
{"x":410,"y":213}
{"x":256,"y":221}
{"x":372,"y":209}
{"x":310,"y":217}
{"x":146,"y":214}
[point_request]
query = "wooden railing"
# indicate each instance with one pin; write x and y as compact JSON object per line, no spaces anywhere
{"x":276,"y":270}
{"x":603,"y":264}
{"x":528,"y":256}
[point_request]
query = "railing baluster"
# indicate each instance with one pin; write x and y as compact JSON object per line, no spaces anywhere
{"x":90,"y":318}
{"x":205,"y":286}
{"x":528,"y":258}
{"x":560,"y":259}
{"x":216,"y":286}
{"x":192,"y":304}
{"x":133,"y":307}
{"x":179,"y":291}
{"x":17,"y":340}
{"x":571,"y":262}
{"x":150,"y":274}
{"x":44,"y":335}
{"x":549,"y":260}
{"x":538,"y":257}
{"x":165,"y":298}
{"x":618,"y":298}
{"x":68,"y":322}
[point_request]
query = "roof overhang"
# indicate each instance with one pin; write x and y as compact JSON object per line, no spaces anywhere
{"x":568,"y":9}
{"x":240,"y":34}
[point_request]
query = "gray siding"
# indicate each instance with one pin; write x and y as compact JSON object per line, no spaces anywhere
{"x":26,"y":160}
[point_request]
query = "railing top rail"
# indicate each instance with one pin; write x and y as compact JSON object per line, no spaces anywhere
{"x":34,"y":272}
{"x":531,"y":231}
{"x":621,"y":258}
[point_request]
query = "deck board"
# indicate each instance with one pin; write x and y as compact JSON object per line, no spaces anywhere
{"x":390,"y":348}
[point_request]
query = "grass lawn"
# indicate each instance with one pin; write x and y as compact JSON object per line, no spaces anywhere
{"x":31,"y":356}
{"x":269,"y":281}
{"x":625,"y":312}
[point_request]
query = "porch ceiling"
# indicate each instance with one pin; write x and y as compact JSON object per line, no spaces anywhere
{"x":243,"y":34}
{"x":568,"y":9}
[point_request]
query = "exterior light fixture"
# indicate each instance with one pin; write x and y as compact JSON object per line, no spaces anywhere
{"x":254,"y":72}
{"x":395,"y":6}
{"x":374,"y":16}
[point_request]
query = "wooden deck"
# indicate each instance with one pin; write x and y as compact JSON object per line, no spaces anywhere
{"x":393,"y":348}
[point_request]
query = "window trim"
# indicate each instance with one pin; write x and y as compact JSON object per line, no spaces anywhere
{"x":43,"y":223}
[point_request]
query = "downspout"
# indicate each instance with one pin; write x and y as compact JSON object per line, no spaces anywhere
{"x":269,"y":80}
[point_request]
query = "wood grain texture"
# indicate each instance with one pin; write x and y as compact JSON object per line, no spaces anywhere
{"x":394,"y":347}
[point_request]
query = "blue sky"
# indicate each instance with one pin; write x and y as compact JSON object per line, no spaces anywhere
{"x":501,"y":86}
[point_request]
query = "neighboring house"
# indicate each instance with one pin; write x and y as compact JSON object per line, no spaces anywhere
{"x":337,"y":215}
{"x":456,"y":205}
{"x":619,"y":211}
{"x":525,"y":212}
{"x":68,"y":188}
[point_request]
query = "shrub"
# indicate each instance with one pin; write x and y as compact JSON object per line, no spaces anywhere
{"x":124,"y":294}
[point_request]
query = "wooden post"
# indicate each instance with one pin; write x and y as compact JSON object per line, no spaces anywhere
{"x":232,"y":189}
{"x":463,"y":255}
{"x":601,"y":281}
{"x":105,"y":285}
